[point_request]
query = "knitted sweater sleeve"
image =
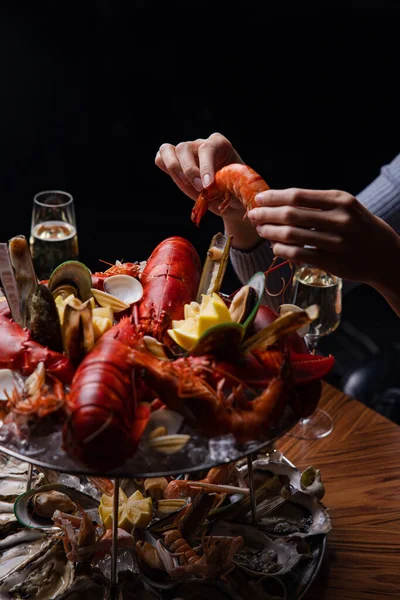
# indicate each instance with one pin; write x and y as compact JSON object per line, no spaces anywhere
{"x":381,"y":197}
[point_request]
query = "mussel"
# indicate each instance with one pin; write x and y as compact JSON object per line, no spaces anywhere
{"x":73,"y":277}
{"x":36,"y":507}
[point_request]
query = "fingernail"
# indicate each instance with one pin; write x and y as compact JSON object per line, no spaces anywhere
{"x":258,"y":198}
{"x":252,"y":215}
{"x":182,"y":177}
{"x":206,"y":179}
{"x":198,"y":184}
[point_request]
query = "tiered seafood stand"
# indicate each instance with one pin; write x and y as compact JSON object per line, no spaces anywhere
{"x":298,"y":573}
{"x":248,"y":521}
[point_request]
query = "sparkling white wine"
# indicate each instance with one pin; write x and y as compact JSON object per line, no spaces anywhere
{"x":313,"y":286}
{"x":51,"y":243}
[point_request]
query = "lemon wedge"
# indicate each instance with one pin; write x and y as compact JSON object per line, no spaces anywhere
{"x":136,"y":513}
{"x":213,"y":311}
{"x":185,"y":332}
{"x":198,"y":318}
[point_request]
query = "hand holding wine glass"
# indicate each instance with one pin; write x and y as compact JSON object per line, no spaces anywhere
{"x":53,"y":238}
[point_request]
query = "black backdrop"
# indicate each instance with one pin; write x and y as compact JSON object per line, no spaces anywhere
{"x":308,"y":95}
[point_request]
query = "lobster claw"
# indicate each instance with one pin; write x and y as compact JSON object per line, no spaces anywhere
{"x":310,"y":367}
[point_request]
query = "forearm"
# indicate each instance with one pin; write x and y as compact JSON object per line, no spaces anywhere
{"x":382,"y":195}
{"x":245,"y":236}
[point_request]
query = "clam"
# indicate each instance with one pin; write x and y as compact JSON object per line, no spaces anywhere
{"x":169,"y":420}
{"x":158,"y":349}
{"x":8,"y":380}
{"x":73,"y":277}
{"x":214,"y":266}
{"x":124,"y":287}
{"x":285,"y":309}
{"x":105,"y":299}
{"x":259,"y":554}
{"x":169,"y":444}
{"x":36,"y":507}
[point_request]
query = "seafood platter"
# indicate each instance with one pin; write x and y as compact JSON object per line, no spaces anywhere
{"x":127,"y":380}
{"x":177,"y":537}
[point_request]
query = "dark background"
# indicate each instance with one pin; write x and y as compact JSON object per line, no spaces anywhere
{"x":307,"y":93}
{"x":90,"y":90}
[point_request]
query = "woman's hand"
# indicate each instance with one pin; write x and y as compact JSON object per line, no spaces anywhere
{"x":192,"y":166}
{"x":329,"y":229}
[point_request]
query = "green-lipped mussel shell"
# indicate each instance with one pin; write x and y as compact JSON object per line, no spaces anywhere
{"x":74,"y":274}
{"x":221,"y":340}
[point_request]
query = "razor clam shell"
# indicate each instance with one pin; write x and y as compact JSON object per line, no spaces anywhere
{"x":275,"y":468}
{"x":285,"y":550}
{"x":302,"y":516}
{"x":25,"y":275}
{"x":214,"y":270}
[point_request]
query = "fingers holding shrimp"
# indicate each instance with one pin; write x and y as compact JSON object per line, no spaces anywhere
{"x":192,"y":165}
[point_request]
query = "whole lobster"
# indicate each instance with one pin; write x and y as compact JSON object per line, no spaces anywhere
{"x":106,"y":418}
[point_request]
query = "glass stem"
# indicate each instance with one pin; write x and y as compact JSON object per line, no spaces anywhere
{"x":312,"y":344}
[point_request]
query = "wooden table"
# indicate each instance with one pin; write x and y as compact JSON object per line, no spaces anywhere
{"x":360,"y":468}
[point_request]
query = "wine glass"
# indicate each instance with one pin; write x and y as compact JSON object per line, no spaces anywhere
{"x":53,"y":237}
{"x":314,"y":286}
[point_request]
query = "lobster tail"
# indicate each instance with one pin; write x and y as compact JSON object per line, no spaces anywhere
{"x":170,"y":280}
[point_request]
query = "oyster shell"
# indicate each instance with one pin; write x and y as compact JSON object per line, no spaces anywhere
{"x":45,"y":574}
{"x":261,"y":555}
{"x":124,"y":287}
{"x":302,"y":515}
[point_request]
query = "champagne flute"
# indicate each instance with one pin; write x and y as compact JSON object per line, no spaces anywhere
{"x":53,"y":238}
{"x":315,"y":286}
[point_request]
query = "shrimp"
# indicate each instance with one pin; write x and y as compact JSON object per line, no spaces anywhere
{"x":232,"y":181}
